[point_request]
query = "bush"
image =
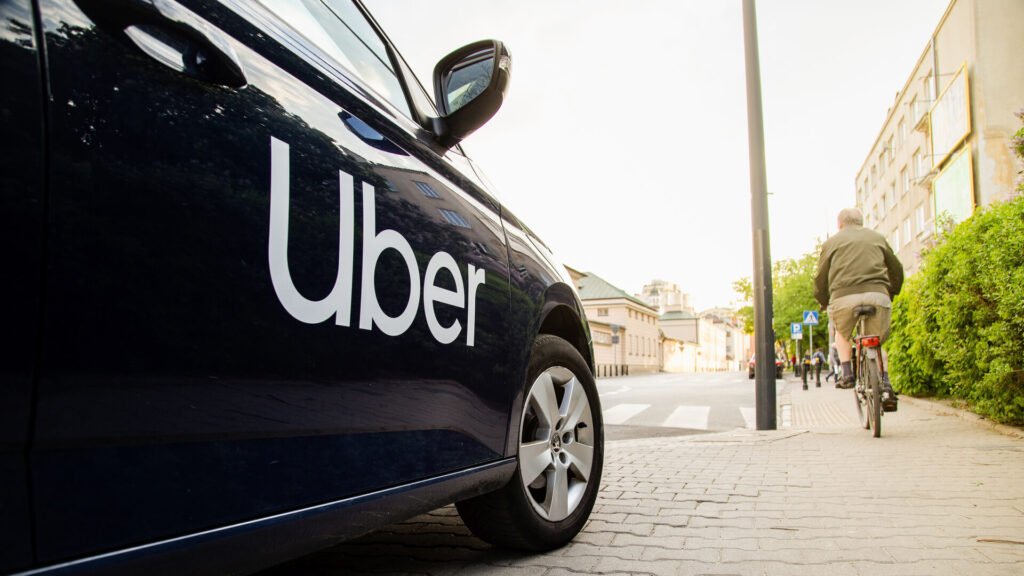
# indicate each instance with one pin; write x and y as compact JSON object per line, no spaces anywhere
{"x":958,"y":325}
{"x":912,"y":361}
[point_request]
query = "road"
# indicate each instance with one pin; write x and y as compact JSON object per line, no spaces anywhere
{"x":674,"y":404}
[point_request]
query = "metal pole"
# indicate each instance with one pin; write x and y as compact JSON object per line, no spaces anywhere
{"x":764,"y":335}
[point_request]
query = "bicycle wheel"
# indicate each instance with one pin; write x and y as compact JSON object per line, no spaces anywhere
{"x":859,"y":392}
{"x":874,"y":394}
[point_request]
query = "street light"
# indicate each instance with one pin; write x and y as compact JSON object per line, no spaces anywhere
{"x":764,"y":336}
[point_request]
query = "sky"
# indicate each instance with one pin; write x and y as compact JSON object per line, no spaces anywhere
{"x":623,"y":139}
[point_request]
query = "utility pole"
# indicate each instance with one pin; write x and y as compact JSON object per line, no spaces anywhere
{"x":764,"y":335}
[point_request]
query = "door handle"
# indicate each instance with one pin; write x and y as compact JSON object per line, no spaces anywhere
{"x":171,"y":35}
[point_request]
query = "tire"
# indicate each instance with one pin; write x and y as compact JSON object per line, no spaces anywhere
{"x":551,"y":495}
{"x":860,"y":392}
{"x":875,"y":399}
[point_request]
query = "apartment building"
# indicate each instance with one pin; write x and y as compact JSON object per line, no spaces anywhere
{"x":944,"y":147}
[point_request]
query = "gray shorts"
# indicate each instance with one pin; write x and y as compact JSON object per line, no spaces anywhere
{"x":840,"y":311}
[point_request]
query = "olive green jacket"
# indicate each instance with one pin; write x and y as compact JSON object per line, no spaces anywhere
{"x":854,"y":261}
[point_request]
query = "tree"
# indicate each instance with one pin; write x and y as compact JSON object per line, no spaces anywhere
{"x":792,"y":294}
{"x":745,"y":289}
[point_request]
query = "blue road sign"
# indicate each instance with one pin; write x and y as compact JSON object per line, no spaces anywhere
{"x":811,"y":317}
{"x":796,"y":331}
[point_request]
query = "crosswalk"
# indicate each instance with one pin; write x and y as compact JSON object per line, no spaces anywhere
{"x":623,"y":412}
{"x":691,"y":417}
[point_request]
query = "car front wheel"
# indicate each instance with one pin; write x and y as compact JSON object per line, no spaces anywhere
{"x":561,"y":451}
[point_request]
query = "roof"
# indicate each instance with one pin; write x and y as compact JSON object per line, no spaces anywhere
{"x":677,"y":315}
{"x":593,"y":287}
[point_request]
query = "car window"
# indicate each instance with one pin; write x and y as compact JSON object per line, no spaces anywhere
{"x":338,"y":28}
{"x":419,"y":96}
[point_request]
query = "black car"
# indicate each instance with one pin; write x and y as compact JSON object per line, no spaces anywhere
{"x":260,"y":301}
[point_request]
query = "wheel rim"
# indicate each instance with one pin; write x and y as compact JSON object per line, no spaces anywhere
{"x":862,"y":409}
{"x":556,"y":445}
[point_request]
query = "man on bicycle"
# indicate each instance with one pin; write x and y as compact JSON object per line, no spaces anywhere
{"x":857,"y":267}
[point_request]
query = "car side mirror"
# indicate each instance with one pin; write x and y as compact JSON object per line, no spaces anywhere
{"x":469,"y":86}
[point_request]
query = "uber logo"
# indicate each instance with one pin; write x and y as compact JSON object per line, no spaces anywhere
{"x":339,"y":302}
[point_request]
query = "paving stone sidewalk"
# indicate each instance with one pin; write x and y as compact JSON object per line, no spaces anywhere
{"x":936,"y":495}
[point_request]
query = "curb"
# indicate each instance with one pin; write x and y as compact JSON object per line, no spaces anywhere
{"x":944,"y":410}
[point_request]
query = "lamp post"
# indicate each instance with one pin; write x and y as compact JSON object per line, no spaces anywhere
{"x":764,"y":335}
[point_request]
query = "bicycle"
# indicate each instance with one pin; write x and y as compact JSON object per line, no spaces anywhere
{"x":868,"y":371}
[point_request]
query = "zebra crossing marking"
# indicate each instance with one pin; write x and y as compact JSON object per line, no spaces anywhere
{"x":683,"y":416}
{"x":749,"y":416}
{"x":622,"y":412}
{"x":693,"y":417}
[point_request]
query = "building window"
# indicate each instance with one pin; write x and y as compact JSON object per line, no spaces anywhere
{"x":921,"y":216}
{"x":913,"y":110}
{"x":901,"y":133}
{"x":426,"y":189}
{"x":905,"y":178}
{"x":923,"y":165}
{"x":454,"y":218}
{"x":906,"y":231}
{"x":894,"y":242}
{"x":918,"y":174}
{"x":890,"y":196}
{"x":602,"y":311}
{"x":891,"y":151}
{"x":929,"y":81}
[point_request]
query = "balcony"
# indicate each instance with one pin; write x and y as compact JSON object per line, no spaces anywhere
{"x":920,"y":111}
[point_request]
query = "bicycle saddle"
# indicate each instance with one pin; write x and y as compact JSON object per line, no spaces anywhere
{"x":864,"y":310}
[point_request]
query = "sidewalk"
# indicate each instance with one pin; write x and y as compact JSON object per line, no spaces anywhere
{"x":936,"y":495}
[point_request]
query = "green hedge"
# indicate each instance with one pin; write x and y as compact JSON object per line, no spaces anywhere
{"x":958,"y":325}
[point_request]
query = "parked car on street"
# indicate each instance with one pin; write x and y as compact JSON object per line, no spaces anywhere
{"x":260,"y":300}
{"x":780,"y":366}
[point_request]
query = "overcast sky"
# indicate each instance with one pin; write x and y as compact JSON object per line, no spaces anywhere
{"x":623,"y":141}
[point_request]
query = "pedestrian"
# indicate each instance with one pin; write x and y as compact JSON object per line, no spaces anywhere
{"x":833,"y":364}
{"x":818,"y":360}
{"x":792,"y":362}
{"x":858,"y":267}
{"x":806,"y":369}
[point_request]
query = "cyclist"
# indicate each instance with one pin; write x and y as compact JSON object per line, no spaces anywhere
{"x":858,"y":267}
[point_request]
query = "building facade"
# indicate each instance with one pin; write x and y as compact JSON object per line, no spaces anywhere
{"x":665,"y":296}
{"x":628,"y":329}
{"x":944,"y":148}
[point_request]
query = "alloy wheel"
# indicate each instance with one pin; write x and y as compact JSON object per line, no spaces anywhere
{"x":556,"y":444}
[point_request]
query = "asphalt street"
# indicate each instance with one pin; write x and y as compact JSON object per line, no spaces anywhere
{"x":652,"y":405}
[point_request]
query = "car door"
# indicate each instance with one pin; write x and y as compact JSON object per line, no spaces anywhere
{"x":21,"y":213}
{"x":265,"y":289}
